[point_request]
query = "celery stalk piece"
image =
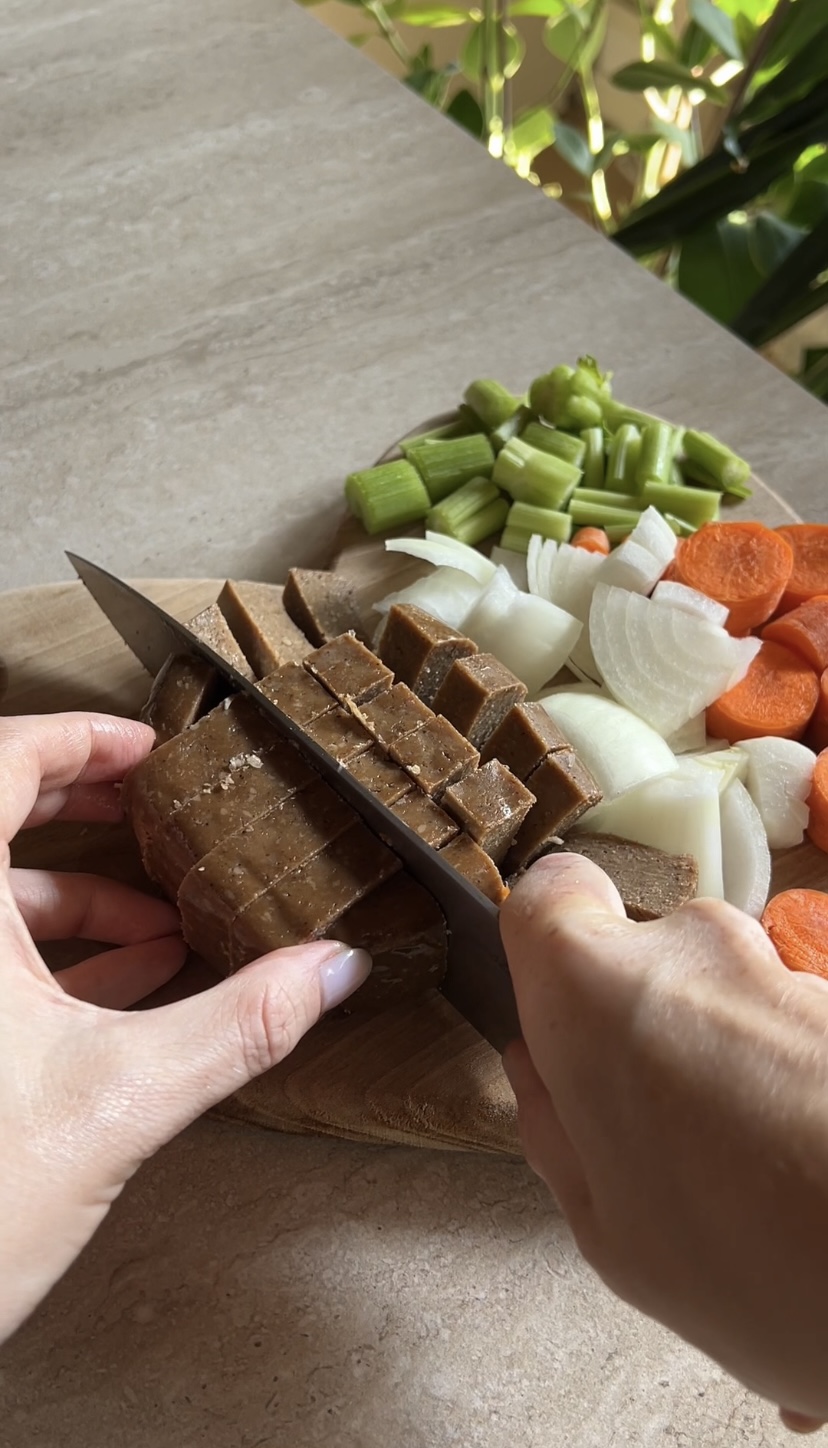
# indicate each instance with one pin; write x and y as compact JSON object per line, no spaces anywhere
{"x":617,"y":532}
{"x":598,"y":515}
{"x":531,"y":476}
{"x":552,"y":440}
{"x":515,"y":539}
{"x":493,"y":403}
{"x":458,"y":428}
{"x":679,"y":526}
{"x":473,"y":528}
{"x":716,"y":458}
{"x":699,"y":475}
{"x":602,"y":498}
{"x":571,"y":397}
{"x":387,"y":496}
{"x":658,"y":448}
{"x":546,"y":521}
{"x":512,"y":427}
{"x":593,"y":464}
{"x":461,"y":505}
{"x":694,"y":505}
{"x":622,"y":462}
{"x":676,"y":474}
{"x":445,"y":465}
{"x":617,"y":414}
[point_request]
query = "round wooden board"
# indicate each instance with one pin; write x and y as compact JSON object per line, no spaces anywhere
{"x":417,"y":1075}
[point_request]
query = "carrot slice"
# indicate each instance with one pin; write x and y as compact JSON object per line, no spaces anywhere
{"x":809,"y":575}
{"x":817,"y":735}
{"x":594,"y":540}
{"x":818,"y":803}
{"x":805,"y":630}
{"x":797,"y":923}
{"x":745,"y":566}
{"x":777,"y":696}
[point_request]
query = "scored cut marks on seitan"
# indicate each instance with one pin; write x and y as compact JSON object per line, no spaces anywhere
{"x":491,"y":805}
{"x":434,"y":755}
{"x":349,"y":670}
{"x":392,"y":713}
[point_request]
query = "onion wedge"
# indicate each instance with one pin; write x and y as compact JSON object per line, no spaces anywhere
{"x":655,"y":534}
{"x":691,"y":601}
{"x":447,"y":552}
{"x":530,"y":636}
{"x":745,"y":854}
{"x":514,"y":563}
{"x":619,"y":749}
{"x":779,"y":773}
{"x":631,"y":566}
{"x":446,"y":594}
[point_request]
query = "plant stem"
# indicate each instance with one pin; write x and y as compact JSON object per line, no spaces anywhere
{"x":595,"y":137}
{"x":764,"y":40}
{"x":388,"y":32}
{"x":492,"y":78}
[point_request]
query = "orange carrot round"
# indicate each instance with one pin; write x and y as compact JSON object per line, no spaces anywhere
{"x":777,"y":696}
{"x":804,"y":630}
{"x":817,"y":735}
{"x":594,"y":540}
{"x":797,"y":923}
{"x":809,"y":575}
{"x":818,"y":803}
{"x":745,"y":566}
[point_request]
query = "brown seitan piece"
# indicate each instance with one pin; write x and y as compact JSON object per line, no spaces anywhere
{"x":184,"y":689}
{"x":392,"y":713}
{"x":564,"y":789}
{"x":419,"y":649}
{"x":435,"y":755}
{"x":651,"y":882}
{"x":349,"y":670}
{"x":305,"y":902}
{"x":426,"y":818}
{"x":257,"y":617}
{"x":472,"y":862}
{"x":227,"y":879}
{"x":523,"y":740}
{"x":211,"y":627}
{"x":476,"y":695}
{"x":296,"y":693}
{"x":381,"y":775}
{"x":323,"y":605}
{"x":403,"y":928}
{"x":340,"y":734}
{"x":491,"y":805}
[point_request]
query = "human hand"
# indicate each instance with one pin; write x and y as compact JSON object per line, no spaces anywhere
{"x":87,"y":1092}
{"x":672,"y":1087}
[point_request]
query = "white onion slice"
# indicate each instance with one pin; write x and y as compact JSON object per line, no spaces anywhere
{"x":532,"y":561}
{"x":446,"y":594}
{"x":573,"y":575}
{"x":779,"y":774}
{"x":690,"y":737}
{"x":529,"y":635}
{"x":691,"y":601}
{"x":514,"y":563}
{"x":617,"y":747}
{"x":442,"y":551}
{"x":631,"y":566}
{"x":655,"y":534}
{"x":727,"y":764}
{"x":678,"y":813}
{"x":546,"y":567}
{"x":745,"y":855}
{"x":664,"y":663}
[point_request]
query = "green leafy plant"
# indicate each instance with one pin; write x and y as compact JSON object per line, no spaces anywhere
{"x":724,"y":189}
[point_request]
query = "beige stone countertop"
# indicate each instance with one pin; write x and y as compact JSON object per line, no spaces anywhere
{"x":235,"y":260}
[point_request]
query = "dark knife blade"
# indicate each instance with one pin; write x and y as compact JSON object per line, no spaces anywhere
{"x":477,"y":981}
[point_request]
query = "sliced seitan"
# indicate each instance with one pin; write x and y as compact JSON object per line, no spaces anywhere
{"x":564,"y":789}
{"x":523,"y":740}
{"x":349,"y":670}
{"x":435,"y":755}
{"x":184,"y":689}
{"x":392,"y":713}
{"x":419,"y":649}
{"x":297,"y":693}
{"x":258,"y":619}
{"x":491,"y":804}
{"x":340,"y":734}
{"x":651,"y":883}
{"x":211,"y":627}
{"x":469,"y":860}
{"x":381,"y":775}
{"x":323,"y":605}
{"x":477,"y":694}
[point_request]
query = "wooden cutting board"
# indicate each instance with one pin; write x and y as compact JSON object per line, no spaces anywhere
{"x":420,"y":1075}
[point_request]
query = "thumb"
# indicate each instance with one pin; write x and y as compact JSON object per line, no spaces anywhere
{"x":192,"y":1054}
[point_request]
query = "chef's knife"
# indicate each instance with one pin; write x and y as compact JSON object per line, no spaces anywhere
{"x":477,"y":981}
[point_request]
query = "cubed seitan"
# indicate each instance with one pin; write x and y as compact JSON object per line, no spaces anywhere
{"x":491,"y":804}
{"x":305,"y":902}
{"x":476,"y":695}
{"x":469,"y":860}
{"x":349,"y":670}
{"x":340,"y":734}
{"x":564,"y":789}
{"x":211,"y":627}
{"x":419,"y":649}
{"x":435,"y":755}
{"x":323,"y":605}
{"x":403,"y":927}
{"x":257,"y":617}
{"x":392,"y":713}
{"x":426,"y":818}
{"x":184,"y":688}
{"x":381,"y":775}
{"x":523,"y":740}
{"x":651,"y":882}
{"x":227,"y":879}
{"x":297,"y":693}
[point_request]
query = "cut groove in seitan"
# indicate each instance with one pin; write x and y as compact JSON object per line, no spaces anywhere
{"x":349,"y":670}
{"x":476,"y":695}
{"x":523,"y":740}
{"x":435,"y":755}
{"x":564,"y":789}
{"x":419,"y":649}
{"x":392,"y":713}
{"x":491,"y":805}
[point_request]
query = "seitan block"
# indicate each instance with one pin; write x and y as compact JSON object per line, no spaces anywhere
{"x":381,"y":775}
{"x":651,"y":882}
{"x":305,"y":902}
{"x":392,"y":713}
{"x":523,"y":740}
{"x":211,"y":627}
{"x":419,"y":649}
{"x":435,"y":755}
{"x":491,"y":805}
{"x":403,"y":928}
{"x":476,"y":695}
{"x":340,"y":734}
{"x":297,"y":694}
{"x":426,"y":818}
{"x":184,"y":689}
{"x":349,"y":670}
{"x":564,"y":789}
{"x":258,"y":619}
{"x":235,"y":872}
{"x":472,"y":862}
{"x":323,"y":605}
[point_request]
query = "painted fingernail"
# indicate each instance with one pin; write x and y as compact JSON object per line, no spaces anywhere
{"x":343,"y":973}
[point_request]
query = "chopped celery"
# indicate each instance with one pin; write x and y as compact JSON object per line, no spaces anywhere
{"x":387,"y":496}
{"x":515,"y":539}
{"x":617,"y":532}
{"x":477,"y":526}
{"x":532,"y":476}
{"x":622,"y":461}
{"x":716,"y":458}
{"x":598,"y":515}
{"x":457,"y":428}
{"x":471,"y":514}
{"x":546,"y":521}
{"x":512,"y":427}
{"x":694,"y":505}
{"x":552,"y":440}
{"x":658,"y":447}
{"x":698,"y":474}
{"x":572,"y":397}
{"x":593,"y":464}
{"x":602,"y":498}
{"x":679,"y":526}
{"x":493,"y":403}
{"x":445,"y":465}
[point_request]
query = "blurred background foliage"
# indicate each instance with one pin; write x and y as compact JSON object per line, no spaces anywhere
{"x":694,"y":132}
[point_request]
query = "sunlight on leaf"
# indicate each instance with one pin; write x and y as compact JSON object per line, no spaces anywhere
{"x":572,"y":146}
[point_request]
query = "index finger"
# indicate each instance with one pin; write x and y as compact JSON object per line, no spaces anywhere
{"x":41,"y":752}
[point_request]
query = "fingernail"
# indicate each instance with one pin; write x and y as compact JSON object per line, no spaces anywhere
{"x":343,"y":973}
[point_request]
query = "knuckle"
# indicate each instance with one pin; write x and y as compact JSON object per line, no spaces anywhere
{"x":269,"y":1026}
